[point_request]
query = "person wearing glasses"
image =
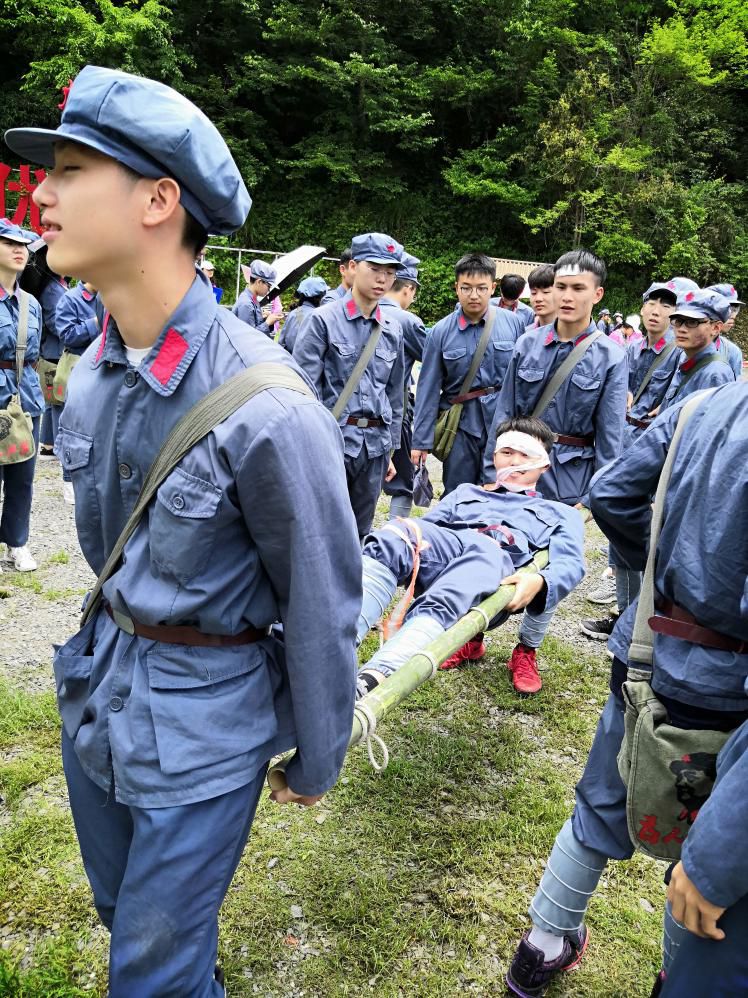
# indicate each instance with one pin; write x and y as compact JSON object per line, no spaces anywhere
{"x":447,"y":354}
{"x":260,"y":277}
{"x":697,"y":321}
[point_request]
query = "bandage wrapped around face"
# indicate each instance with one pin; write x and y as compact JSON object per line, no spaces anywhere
{"x":537,"y":457}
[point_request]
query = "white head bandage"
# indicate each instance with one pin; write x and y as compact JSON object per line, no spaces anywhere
{"x":537,"y":457}
{"x":569,"y":270}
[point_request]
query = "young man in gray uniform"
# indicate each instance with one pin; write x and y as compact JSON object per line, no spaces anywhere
{"x":587,"y":411}
{"x":397,"y":303}
{"x":175,"y":694}
{"x":449,"y":350}
{"x":697,"y":321}
{"x":334,"y":338}
{"x":260,"y":278}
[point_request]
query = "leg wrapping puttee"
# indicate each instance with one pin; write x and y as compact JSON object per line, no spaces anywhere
{"x":569,"y":881}
{"x":413,"y":636}
{"x":379,"y":587}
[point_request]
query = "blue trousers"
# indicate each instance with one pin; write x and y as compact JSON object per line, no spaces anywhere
{"x":705,"y":968}
{"x":464,"y":462}
{"x":365,"y":478}
{"x":18,"y":489}
{"x":159,"y":877}
{"x":402,"y":483}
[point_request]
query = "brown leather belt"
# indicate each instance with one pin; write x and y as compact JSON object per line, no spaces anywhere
{"x":679,"y":623}
{"x":183,"y":635}
{"x":586,"y":441}
{"x":641,"y":423}
{"x":363,"y":421}
{"x":474,"y":394}
{"x":10,"y":365}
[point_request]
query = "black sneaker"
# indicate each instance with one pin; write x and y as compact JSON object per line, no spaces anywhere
{"x":599,"y":629}
{"x":529,"y":974}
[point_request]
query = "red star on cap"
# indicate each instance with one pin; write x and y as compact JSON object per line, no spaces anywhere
{"x":390,"y":249}
{"x":689,"y":296}
{"x":65,"y":95}
{"x":671,"y":284}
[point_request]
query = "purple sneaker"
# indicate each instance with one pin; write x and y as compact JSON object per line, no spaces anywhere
{"x":529,"y":974}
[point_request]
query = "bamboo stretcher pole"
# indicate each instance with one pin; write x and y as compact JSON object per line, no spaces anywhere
{"x":420,"y":667}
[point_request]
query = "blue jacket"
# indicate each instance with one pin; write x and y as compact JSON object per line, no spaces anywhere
{"x":641,"y":357}
{"x":225,"y":545}
{"x":414,"y":334}
{"x":522,"y":311}
{"x":32,"y":400}
{"x":732,"y":353}
{"x":533,"y":523}
{"x":708,"y":377}
{"x":327,"y":353}
{"x":448,"y":351}
{"x":702,"y":567}
{"x":293,"y":324}
{"x":334,"y":294}
{"x":592,"y":400}
{"x":75,"y":319}
{"x":248,"y":310}
{"x":49,"y":299}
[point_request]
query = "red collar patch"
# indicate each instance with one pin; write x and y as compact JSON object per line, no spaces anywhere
{"x":351,"y":308}
{"x":100,"y":351}
{"x":87,"y":296}
{"x":659,"y":344}
{"x":549,"y":337}
{"x":167,"y":360}
{"x":688,"y":364}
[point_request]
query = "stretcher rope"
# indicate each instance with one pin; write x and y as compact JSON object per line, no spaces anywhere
{"x":368,"y":722}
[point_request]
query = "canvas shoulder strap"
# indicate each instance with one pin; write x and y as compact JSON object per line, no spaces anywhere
{"x":195,"y":424}
{"x":479,"y":352}
{"x":22,"y":336}
{"x":712,"y":358}
{"x":654,"y":366}
{"x":642,"y":642}
{"x":358,"y":371}
{"x":563,"y":371}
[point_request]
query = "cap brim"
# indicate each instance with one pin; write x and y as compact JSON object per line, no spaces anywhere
{"x":379,"y":260}
{"x":17,"y":239}
{"x":35,"y":144}
{"x":688,"y":313}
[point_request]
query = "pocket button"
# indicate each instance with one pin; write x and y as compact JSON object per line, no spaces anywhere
{"x":116,"y":703}
{"x":178,"y":502}
{"x":125,"y":471}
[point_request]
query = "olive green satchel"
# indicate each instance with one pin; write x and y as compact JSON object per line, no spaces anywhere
{"x":16,"y":426}
{"x":669,"y":772}
{"x":65,"y":366}
{"x":448,"y":420}
{"x":46,"y":371}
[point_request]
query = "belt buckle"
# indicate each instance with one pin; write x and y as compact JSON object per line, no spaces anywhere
{"x":362,"y":422}
{"x":124,"y":622}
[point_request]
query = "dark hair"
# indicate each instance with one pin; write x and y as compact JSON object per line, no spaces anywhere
{"x":512,"y":286}
{"x":403,"y":282}
{"x":541,"y":277}
{"x":532,"y":427}
{"x":37,"y":273}
{"x":313,"y":300}
{"x":587,"y":263}
{"x":194,"y":236}
{"x":475,"y":263}
{"x":345,"y":257}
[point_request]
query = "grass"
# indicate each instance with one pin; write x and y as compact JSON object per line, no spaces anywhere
{"x":413,"y":882}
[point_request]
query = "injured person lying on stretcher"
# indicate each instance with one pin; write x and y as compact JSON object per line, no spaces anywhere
{"x":463,"y":549}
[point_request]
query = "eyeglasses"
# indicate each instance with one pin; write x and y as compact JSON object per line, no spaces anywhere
{"x":688,"y":323}
{"x":468,"y":291}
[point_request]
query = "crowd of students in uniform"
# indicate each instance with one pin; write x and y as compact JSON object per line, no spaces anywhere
{"x":227,"y":630}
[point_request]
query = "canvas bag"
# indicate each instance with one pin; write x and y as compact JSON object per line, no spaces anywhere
{"x":669,"y":772}
{"x":61,"y":378}
{"x":16,"y":426}
{"x":448,"y":420}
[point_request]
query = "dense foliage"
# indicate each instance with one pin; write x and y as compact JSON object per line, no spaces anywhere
{"x":520,"y":128}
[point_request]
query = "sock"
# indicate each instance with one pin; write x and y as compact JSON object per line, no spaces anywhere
{"x":550,"y":945}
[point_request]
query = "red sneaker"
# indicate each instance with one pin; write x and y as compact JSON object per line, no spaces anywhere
{"x":470,"y":652}
{"x":524,"y":669}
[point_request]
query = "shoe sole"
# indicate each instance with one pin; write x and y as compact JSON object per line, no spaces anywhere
{"x":607,"y":601}
{"x":595,"y":635}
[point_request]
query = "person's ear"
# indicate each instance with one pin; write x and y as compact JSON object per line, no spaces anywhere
{"x":161,"y":200}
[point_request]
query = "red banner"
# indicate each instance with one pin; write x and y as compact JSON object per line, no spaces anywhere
{"x":23,"y":188}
